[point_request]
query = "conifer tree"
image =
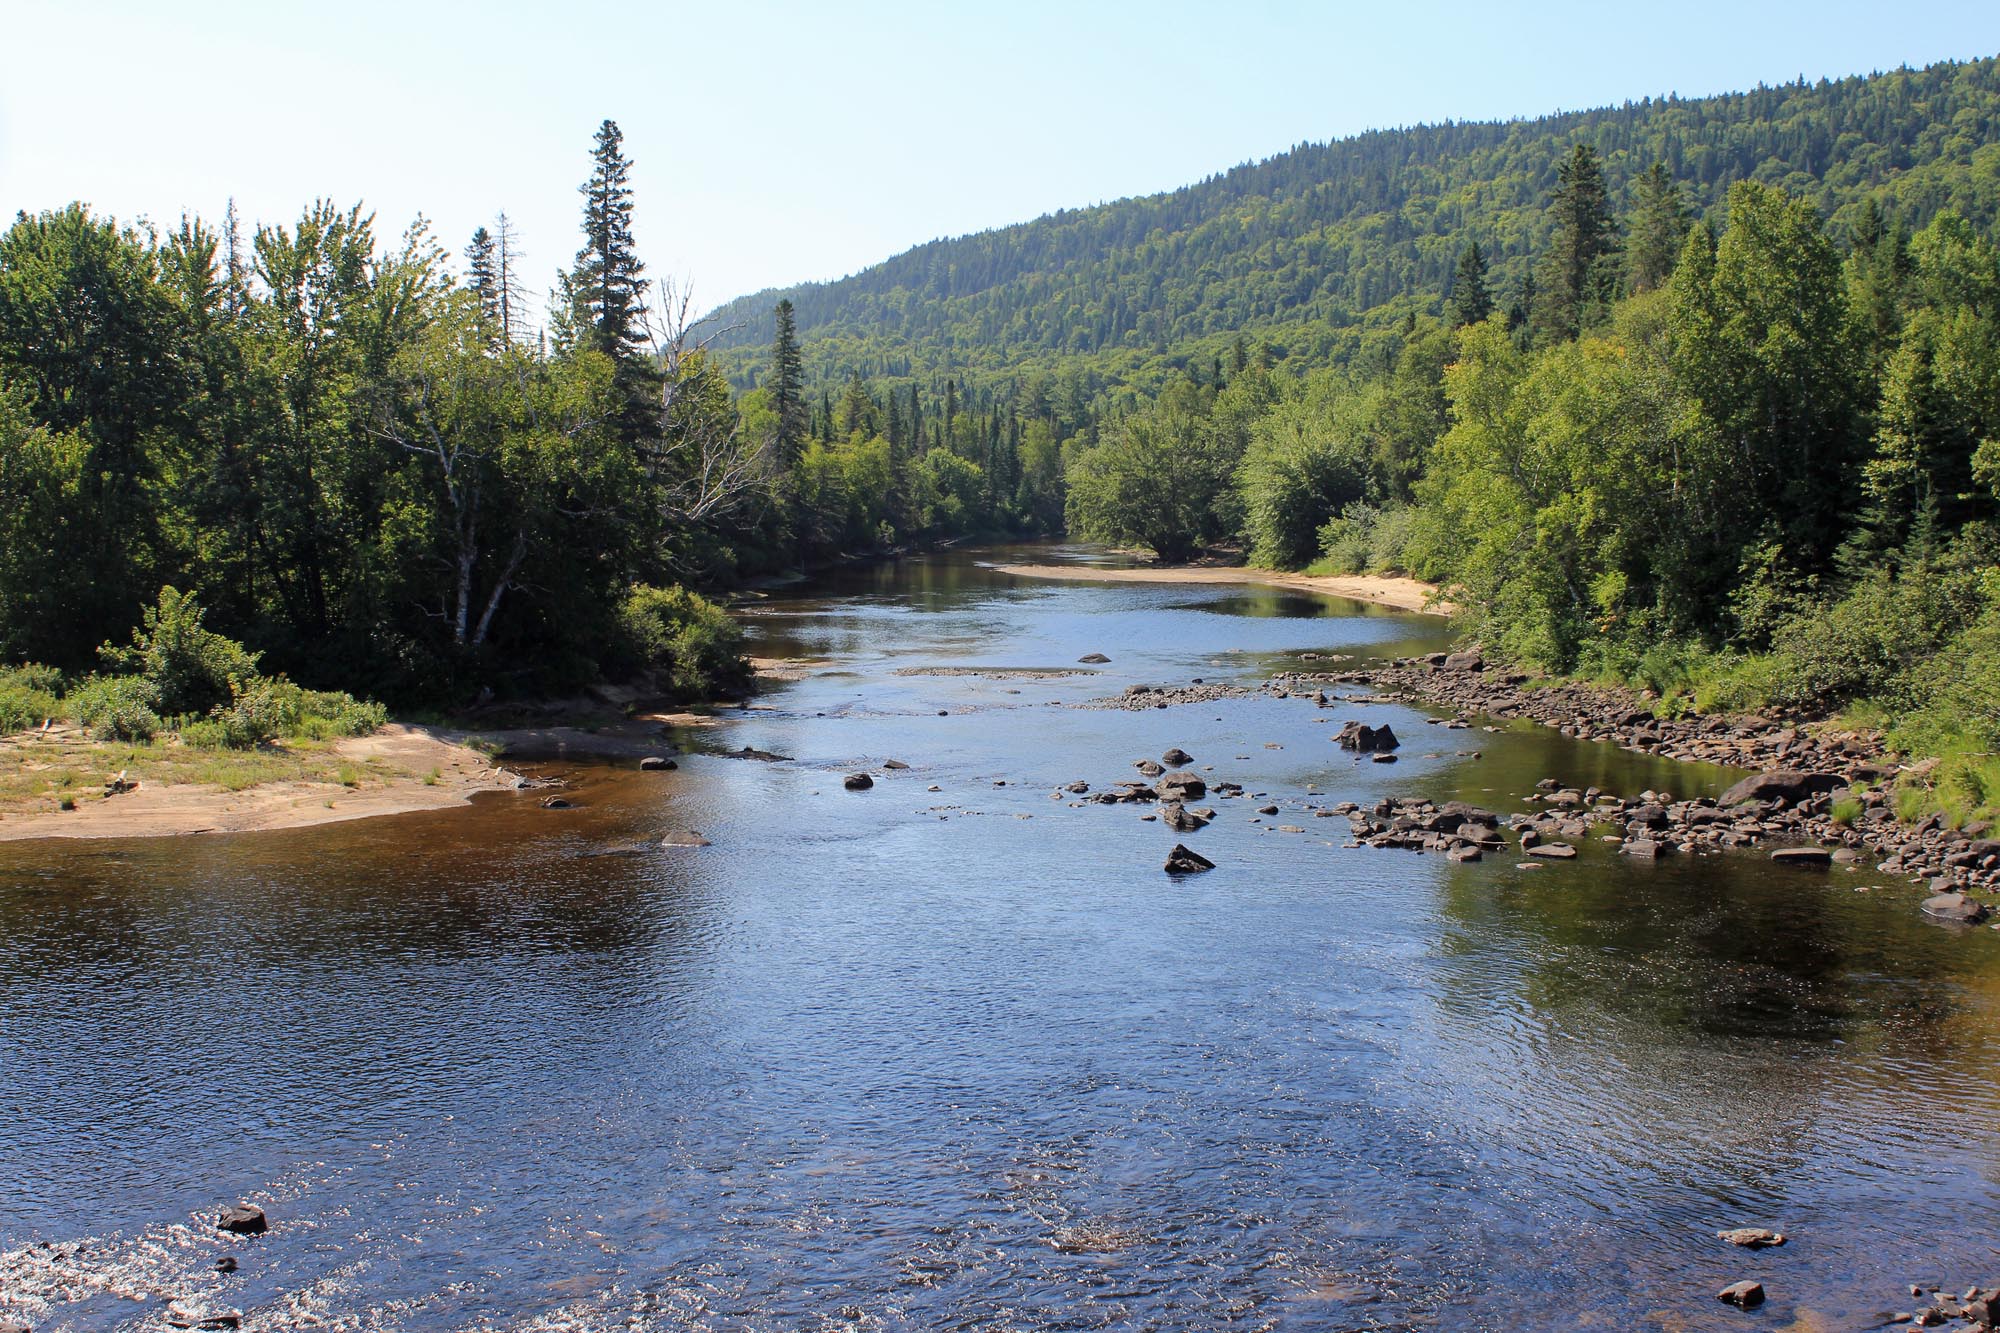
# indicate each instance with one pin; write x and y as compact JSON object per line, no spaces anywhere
{"x":481,"y":277}
{"x":507,"y":279}
{"x":1660,"y":221}
{"x":605,"y":292}
{"x":788,"y":388}
{"x":1576,"y":280}
{"x":1471,"y":301}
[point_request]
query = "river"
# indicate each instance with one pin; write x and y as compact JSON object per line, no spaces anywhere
{"x":966,"y":1058}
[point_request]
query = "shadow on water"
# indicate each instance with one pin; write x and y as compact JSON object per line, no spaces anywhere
{"x":964,"y":1057}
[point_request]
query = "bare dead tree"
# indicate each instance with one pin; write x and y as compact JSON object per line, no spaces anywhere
{"x":507,"y":280}
{"x":705,"y":465}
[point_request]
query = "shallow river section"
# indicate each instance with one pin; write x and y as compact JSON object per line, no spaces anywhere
{"x":954,"y":1053}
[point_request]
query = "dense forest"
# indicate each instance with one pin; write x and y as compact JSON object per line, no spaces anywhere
{"x":1321,"y":251}
{"x":1703,"y":396}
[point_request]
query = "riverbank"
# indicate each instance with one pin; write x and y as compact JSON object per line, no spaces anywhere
{"x":1832,"y":788}
{"x":178,"y":791}
{"x":1402,"y":594}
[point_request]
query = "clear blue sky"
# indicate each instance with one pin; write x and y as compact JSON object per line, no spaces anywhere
{"x":776,"y":142}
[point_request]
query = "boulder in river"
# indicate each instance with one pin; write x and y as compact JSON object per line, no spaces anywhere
{"x":1782,"y":784}
{"x":688,"y":838}
{"x":1364,"y":739}
{"x":1093,"y":659}
{"x":857,"y":782}
{"x":181,"y":1314}
{"x":1955,"y":907}
{"x":1553,"y":851}
{"x":226,"y":1264}
{"x":1803,"y":856}
{"x":1751,"y":1238}
{"x":654,"y":763}
{"x":245,"y":1219}
{"x":894,"y":764}
{"x":1149,"y":768}
{"x":1176,"y":758}
{"x":1187,"y":785}
{"x":1742,"y":1295}
{"x":1182,"y":861}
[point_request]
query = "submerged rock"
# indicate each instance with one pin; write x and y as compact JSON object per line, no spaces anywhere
{"x":857,"y":782}
{"x":1803,"y":856}
{"x":1182,"y":861}
{"x":687,"y":839}
{"x":1754,"y":1238}
{"x":1955,"y":907}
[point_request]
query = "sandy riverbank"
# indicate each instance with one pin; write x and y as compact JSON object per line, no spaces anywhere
{"x":1401,"y":593}
{"x":398,"y":770}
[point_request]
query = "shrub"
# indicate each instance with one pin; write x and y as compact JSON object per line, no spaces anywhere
{"x":29,"y":695}
{"x":116,"y":708}
{"x":691,"y":642}
{"x":191,"y":668}
{"x":264,"y":708}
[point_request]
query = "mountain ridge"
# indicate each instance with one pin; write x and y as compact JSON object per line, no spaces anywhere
{"x":1312,"y":248}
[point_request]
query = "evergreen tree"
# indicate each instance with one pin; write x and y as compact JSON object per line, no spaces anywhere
{"x":606,"y":290}
{"x":1660,"y":222}
{"x":482,"y":278}
{"x":1576,"y":277}
{"x":1471,"y":302}
{"x":507,"y":280}
{"x":788,"y":398}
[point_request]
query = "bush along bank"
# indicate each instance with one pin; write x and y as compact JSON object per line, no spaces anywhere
{"x":1819,"y":795}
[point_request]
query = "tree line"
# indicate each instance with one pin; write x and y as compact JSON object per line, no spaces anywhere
{"x":376,"y":472}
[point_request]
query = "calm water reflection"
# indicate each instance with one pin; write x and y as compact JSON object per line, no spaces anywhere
{"x":904,"y":1059}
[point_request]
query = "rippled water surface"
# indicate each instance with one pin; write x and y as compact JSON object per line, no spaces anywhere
{"x":905,"y":1059}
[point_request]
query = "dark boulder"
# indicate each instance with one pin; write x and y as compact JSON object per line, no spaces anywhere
{"x":1176,"y":758}
{"x":1781,"y":784}
{"x":653,"y":763}
{"x":1364,"y":739}
{"x":245,"y":1219}
{"x":1188,"y":785}
{"x":1743,"y":1295}
{"x":1955,"y":907}
{"x":1181,"y":861}
{"x":1470,"y":660}
{"x":1093,"y":659}
{"x":1149,"y":768}
{"x":1553,"y":851}
{"x":896,"y":764}
{"x":857,"y":782}
{"x":1180,"y":819}
{"x":226,"y":1264}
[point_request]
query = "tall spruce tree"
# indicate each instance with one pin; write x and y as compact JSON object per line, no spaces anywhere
{"x":1471,"y":300}
{"x":606,"y":289}
{"x":1660,"y":222}
{"x":788,"y":397}
{"x":1576,"y":282}
{"x":482,"y":278}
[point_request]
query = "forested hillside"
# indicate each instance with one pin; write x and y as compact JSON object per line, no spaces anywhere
{"x":1312,"y":249}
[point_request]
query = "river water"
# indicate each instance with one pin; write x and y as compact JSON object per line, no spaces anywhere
{"x":966,"y":1058}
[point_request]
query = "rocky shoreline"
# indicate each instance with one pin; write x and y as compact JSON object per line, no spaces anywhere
{"x":1817,"y":796}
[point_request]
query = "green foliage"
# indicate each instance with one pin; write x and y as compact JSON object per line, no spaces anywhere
{"x":29,"y":696}
{"x":191,"y":669}
{"x":1162,"y":477}
{"x":690,"y":643}
{"x":116,"y":708}
{"x":1365,"y":539}
{"x":1308,"y":460}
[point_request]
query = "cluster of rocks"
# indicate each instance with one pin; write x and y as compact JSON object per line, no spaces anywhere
{"x":1818,"y":788}
{"x":1978,"y":1307}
